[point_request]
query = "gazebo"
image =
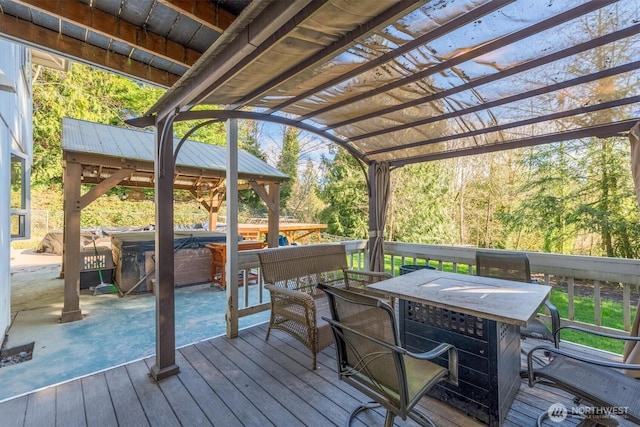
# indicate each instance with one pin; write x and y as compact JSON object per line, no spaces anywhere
{"x":105,"y":156}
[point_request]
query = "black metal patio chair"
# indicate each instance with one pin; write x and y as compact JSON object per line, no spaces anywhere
{"x":605,"y":385}
{"x":370,"y":358}
{"x":515,"y":266}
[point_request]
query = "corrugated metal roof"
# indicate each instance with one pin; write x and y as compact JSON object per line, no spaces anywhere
{"x":112,"y":141}
{"x":172,"y":35}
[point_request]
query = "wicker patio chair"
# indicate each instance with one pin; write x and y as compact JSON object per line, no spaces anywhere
{"x":515,"y":266}
{"x":370,"y":359}
{"x":603,"y":384}
{"x":291,"y":274}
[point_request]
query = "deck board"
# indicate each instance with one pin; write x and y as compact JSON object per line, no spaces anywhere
{"x":332,"y":400}
{"x":181,"y":401}
{"x":259,"y":366}
{"x":156,"y":408}
{"x":245,"y":381}
{"x":227,"y":393}
{"x":127,"y":407}
{"x":326,"y":368}
{"x":97,"y":401}
{"x":296,"y":395}
{"x":209,"y":402}
{"x":15,"y":409}
{"x":41,"y":408}
{"x":70,"y":405}
{"x":276,"y":411}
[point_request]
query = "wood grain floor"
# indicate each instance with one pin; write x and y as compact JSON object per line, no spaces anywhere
{"x":245,"y":381}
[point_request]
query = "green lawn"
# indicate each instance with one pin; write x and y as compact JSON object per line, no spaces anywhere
{"x":612,"y":312}
{"x":612,"y":317}
{"x":398,"y":263}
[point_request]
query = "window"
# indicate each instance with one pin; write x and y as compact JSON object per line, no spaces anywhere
{"x":18,"y":199}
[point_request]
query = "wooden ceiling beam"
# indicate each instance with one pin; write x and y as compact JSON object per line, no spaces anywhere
{"x":110,"y":26}
{"x":203,"y":12}
{"x":24,"y":32}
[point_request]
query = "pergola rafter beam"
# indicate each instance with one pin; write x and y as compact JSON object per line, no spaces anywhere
{"x":92,"y":19}
{"x":524,"y":95}
{"x":471,"y":54}
{"x":445,"y":28}
{"x":601,"y":131}
{"x":548,"y":117}
{"x":234,"y":44}
{"x":250,"y":115}
{"x":278,"y":35}
{"x":582,"y":47}
{"x":329,"y":52}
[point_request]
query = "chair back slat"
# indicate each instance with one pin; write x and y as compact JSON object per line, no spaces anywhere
{"x":303,"y":267}
{"x":367,"y":344}
{"x":503,"y":265}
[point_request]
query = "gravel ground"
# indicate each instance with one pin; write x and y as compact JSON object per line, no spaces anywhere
{"x":22,"y":356}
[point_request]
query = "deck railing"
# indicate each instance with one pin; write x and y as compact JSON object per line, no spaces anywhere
{"x":569,"y":271}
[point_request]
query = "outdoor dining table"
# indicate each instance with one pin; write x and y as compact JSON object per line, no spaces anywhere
{"x":481,"y":316}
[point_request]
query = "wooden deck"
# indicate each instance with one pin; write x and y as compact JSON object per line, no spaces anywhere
{"x":245,"y":381}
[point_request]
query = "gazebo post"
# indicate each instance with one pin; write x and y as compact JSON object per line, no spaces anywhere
{"x":164,"y":166}
{"x":71,"y":241}
{"x":216,"y":201}
{"x":274,"y":215}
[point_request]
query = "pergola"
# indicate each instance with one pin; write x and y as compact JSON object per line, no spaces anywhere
{"x":394,"y":83}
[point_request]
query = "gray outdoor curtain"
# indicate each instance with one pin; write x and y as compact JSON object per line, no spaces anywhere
{"x":632,"y":349}
{"x":380,"y":187}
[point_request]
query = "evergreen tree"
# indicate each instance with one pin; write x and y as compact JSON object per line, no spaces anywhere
{"x":608,"y":206}
{"x":94,"y":95}
{"x":81,"y":93}
{"x":345,"y":194}
{"x":248,"y":140}
{"x":417,"y":209}
{"x":547,"y":209}
{"x":288,"y":164}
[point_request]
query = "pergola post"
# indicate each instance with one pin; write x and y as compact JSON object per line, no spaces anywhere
{"x":71,"y":241}
{"x":232,"y":228}
{"x":373,"y":226}
{"x":164,"y":252}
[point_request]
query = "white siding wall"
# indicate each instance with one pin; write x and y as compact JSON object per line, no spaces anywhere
{"x":16,"y":135}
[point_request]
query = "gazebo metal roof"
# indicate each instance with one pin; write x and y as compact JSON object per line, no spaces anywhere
{"x":102,"y":149}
